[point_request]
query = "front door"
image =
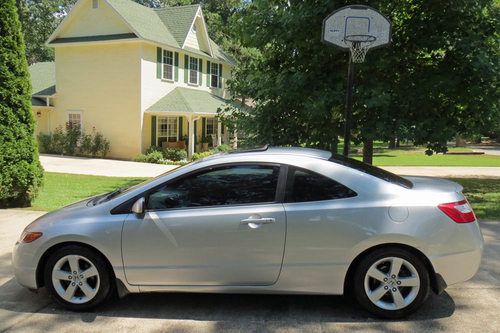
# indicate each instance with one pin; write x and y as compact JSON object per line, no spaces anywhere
{"x":219,"y":226}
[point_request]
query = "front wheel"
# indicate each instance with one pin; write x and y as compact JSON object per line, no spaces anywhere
{"x":77,"y":278}
{"x":391,"y":283}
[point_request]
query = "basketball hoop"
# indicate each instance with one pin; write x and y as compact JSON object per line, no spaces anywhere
{"x":359,"y":46}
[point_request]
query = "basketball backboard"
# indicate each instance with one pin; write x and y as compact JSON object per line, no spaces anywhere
{"x":356,"y":23}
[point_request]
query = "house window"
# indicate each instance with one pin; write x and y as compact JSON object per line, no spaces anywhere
{"x":210,"y":126}
{"x":95,"y":4}
{"x":167,"y":130}
{"x":75,"y":119}
{"x":168,"y":65}
{"x":193,"y":70}
{"x":215,"y":75}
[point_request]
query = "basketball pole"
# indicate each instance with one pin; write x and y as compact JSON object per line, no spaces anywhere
{"x":348,"y":107}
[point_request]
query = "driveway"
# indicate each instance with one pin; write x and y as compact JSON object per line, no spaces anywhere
{"x":117,"y":168}
{"x":469,"y":307}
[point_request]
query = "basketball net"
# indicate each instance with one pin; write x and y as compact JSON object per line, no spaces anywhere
{"x":359,"y":46}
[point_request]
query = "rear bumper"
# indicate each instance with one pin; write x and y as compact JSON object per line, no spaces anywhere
{"x":462,"y":265}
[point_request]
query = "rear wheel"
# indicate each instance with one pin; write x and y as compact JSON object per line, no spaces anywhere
{"x":77,"y":278}
{"x":391,"y":283}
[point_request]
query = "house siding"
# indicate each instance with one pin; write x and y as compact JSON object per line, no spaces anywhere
{"x":103,"y":82}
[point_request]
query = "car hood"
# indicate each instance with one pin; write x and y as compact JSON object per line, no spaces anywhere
{"x":434,"y":184}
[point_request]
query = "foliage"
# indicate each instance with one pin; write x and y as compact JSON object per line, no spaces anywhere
{"x":438,"y":78}
{"x":222,"y":149}
{"x":198,"y":156}
{"x":218,"y":149}
{"x":20,"y":171}
{"x":155,"y":157}
{"x":72,"y":141}
{"x":173,"y":154}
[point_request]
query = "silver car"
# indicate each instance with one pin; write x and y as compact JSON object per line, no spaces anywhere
{"x":271,"y":220}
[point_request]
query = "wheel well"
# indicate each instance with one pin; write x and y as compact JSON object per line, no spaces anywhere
{"x":43,"y":260}
{"x":432,"y":274}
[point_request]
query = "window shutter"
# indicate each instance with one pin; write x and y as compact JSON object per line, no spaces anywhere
{"x":153,"y":131}
{"x":200,"y":71}
{"x":186,"y":68}
{"x":176,"y":66}
{"x":203,"y":132}
{"x":208,"y":73}
{"x":158,"y":62}
{"x":180,"y":130}
{"x":220,"y":75}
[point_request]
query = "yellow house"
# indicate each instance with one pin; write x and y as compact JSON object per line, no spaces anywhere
{"x":140,"y":76}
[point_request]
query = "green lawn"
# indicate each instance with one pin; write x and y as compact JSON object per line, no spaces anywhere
{"x":62,"y":189}
{"x":417,"y":157}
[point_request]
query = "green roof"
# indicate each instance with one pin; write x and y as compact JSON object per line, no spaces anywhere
{"x":43,"y":78}
{"x":187,"y":100}
{"x":178,"y":20}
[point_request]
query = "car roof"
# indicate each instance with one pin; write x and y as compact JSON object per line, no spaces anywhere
{"x":266,"y":150}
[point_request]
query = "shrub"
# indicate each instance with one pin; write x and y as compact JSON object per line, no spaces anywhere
{"x":150,"y":157}
{"x":73,"y":142}
{"x":197,"y":156}
{"x":223,"y":148}
{"x":21,"y":174}
{"x":173,"y":154}
{"x":73,"y":134}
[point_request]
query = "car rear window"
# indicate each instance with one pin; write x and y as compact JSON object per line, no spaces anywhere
{"x":371,"y":170}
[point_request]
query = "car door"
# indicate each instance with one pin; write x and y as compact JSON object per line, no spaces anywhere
{"x":223,"y":225}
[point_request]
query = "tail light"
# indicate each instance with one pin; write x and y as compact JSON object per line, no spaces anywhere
{"x":460,"y":211}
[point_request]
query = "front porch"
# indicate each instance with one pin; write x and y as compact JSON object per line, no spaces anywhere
{"x":186,"y":119}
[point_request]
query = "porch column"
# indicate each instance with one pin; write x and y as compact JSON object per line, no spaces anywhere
{"x":219,"y":132}
{"x":190,"y":137}
{"x":235,"y":138}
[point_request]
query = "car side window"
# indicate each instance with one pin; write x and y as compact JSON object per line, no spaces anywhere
{"x":304,"y":186}
{"x":227,"y":185}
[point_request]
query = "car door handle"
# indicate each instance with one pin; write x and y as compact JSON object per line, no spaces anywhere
{"x":257,"y":222}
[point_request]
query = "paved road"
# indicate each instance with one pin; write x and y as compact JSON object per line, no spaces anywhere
{"x":488,"y":150}
{"x":473,"y":306}
{"x":116,"y":168}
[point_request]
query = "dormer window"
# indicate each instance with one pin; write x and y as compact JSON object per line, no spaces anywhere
{"x":168,"y":65}
{"x":95,"y":4}
{"x":193,"y":70}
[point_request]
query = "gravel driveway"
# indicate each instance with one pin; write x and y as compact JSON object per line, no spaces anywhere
{"x":469,"y":307}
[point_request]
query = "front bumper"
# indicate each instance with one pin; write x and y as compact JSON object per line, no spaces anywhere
{"x":25,"y":264}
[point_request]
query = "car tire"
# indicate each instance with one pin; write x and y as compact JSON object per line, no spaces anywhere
{"x":387,"y":291}
{"x":78,"y":278}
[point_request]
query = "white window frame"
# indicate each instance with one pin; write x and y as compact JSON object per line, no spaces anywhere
{"x":214,"y":124}
{"x":78,"y":112}
{"x":196,"y":70}
{"x":165,"y":64}
{"x":158,"y":123}
{"x":216,"y":66}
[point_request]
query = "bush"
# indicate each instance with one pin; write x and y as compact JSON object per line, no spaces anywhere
{"x":197,"y":156}
{"x":223,"y":148}
{"x":21,"y":174}
{"x":73,"y":142}
{"x":173,"y":154}
{"x":150,"y":157}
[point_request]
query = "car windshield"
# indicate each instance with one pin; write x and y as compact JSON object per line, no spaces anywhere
{"x":371,"y":170}
{"x":121,"y":191}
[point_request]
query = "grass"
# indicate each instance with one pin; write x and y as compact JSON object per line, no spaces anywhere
{"x":483,"y":195}
{"x":414,"y":156}
{"x":62,"y":189}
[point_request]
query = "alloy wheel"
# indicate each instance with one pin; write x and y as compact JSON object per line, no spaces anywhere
{"x":392,"y":283}
{"x":75,"y":279}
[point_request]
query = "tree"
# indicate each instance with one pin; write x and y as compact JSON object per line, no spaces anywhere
{"x":437,"y":78}
{"x":20,"y":171}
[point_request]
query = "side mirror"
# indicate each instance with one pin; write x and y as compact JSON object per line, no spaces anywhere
{"x":138,"y":206}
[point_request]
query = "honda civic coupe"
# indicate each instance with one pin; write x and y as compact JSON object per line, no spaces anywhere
{"x":270,"y":221}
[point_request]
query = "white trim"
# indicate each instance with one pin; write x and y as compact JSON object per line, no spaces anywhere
{"x":197,"y":83}
{"x":80,"y":112}
{"x":158,"y":128}
{"x":199,"y":13}
{"x":163,"y":64}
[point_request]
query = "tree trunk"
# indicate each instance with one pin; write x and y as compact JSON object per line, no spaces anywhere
{"x":392,"y":143}
{"x":335,"y":145}
{"x":368,"y":151}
